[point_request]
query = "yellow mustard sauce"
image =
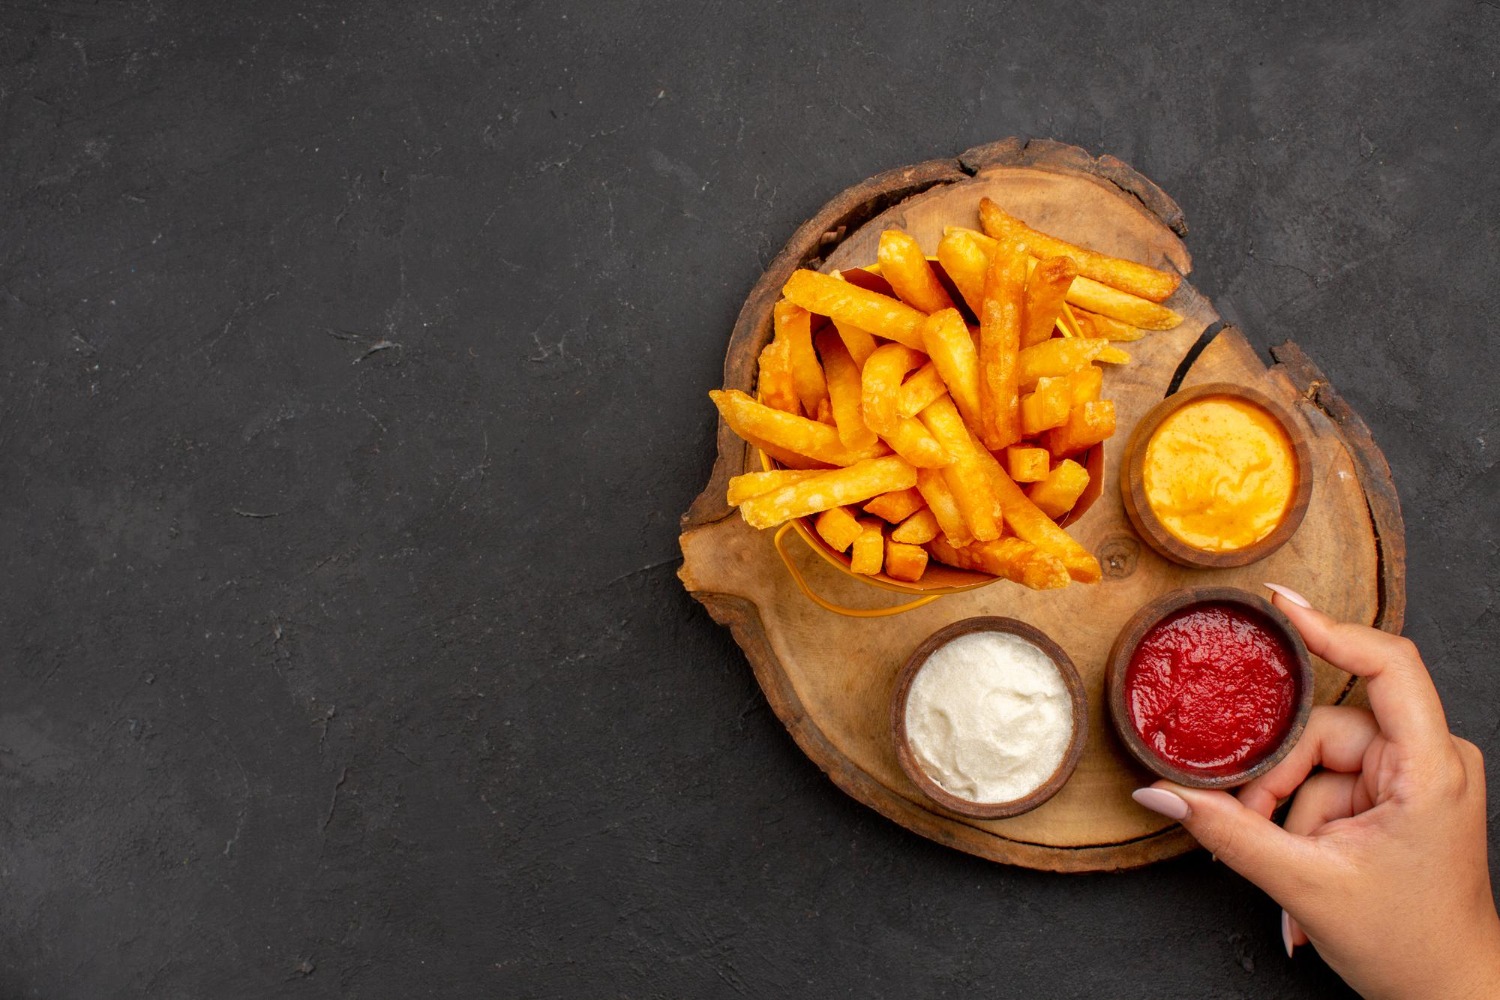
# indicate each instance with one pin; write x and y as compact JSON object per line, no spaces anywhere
{"x":1219,"y":473}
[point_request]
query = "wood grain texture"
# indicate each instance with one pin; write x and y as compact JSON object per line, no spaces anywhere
{"x":830,"y":679}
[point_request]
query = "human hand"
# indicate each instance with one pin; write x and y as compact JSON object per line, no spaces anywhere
{"x":1382,"y":863}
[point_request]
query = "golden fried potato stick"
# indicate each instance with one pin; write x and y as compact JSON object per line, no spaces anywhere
{"x":911,"y":441}
{"x":947,"y":340}
{"x":835,"y":488}
{"x":846,"y":303}
{"x":790,"y":459}
{"x":1056,"y":357}
{"x":1086,"y":426}
{"x":904,"y":562}
{"x":758,"y":423}
{"x":1026,"y":464}
{"x":905,"y":266}
{"x":920,"y":528}
{"x":838,"y":528}
{"x":1095,"y":325}
{"x":793,"y":324}
{"x":754,"y":484}
{"x":1057,"y":494}
{"x":1085,"y":385}
{"x":1093,"y":296}
{"x":1113,"y":355}
{"x":1046,"y":288}
{"x":1126,"y":275}
{"x":965,"y":260}
{"x":869,"y":549}
{"x":896,"y":507}
{"x":918,"y":391}
{"x":999,"y":343}
{"x":773,"y":383}
{"x":966,"y":477}
{"x":844,"y":392}
{"x":1086,"y":293}
{"x":1029,"y":523}
{"x":1008,"y":558}
{"x":944,"y":507}
{"x":860,"y":343}
{"x":1047,"y":406}
{"x":880,"y":385}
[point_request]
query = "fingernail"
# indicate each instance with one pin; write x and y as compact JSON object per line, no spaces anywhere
{"x":1159,"y":800}
{"x":1286,"y":932}
{"x":1289,"y":594}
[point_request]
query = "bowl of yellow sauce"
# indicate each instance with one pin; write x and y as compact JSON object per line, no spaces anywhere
{"x":1217,"y":475}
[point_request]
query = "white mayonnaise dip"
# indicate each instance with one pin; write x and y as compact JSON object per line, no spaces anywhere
{"x":989,"y":717}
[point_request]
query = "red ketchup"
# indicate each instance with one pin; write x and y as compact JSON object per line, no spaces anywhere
{"x":1211,"y":688}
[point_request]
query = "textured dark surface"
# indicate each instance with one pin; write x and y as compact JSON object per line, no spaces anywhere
{"x":354,"y":373}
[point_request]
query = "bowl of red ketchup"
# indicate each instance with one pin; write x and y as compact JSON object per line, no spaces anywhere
{"x":1209,"y":686}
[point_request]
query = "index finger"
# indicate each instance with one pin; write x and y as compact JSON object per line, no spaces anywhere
{"x":1401,"y":692}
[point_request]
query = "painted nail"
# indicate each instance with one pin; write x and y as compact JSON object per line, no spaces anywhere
{"x":1289,"y":594}
{"x":1286,"y":933}
{"x":1159,"y":800}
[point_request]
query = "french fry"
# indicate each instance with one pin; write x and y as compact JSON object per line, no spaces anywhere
{"x":880,"y":385}
{"x":869,"y":549}
{"x":790,"y":459}
{"x":918,"y":391}
{"x":1029,"y":523}
{"x":1026,"y":464}
{"x":947,"y":340}
{"x":786,"y":431}
{"x":794,"y":326}
{"x":944,"y":507}
{"x":838,"y":528}
{"x":1056,"y":357}
{"x":1047,"y":406}
{"x":903,"y":264}
{"x":1085,"y":385}
{"x":904,"y":562}
{"x":836,"y":488}
{"x":896,"y":507}
{"x":1046,"y":287}
{"x":1057,"y":494}
{"x":846,"y":303}
{"x":1095,"y":325}
{"x":911,"y":441}
{"x":1113,"y":355}
{"x":773,"y":381}
{"x":1008,"y":558}
{"x":1132,"y":310}
{"x":1087,"y":425}
{"x":920,"y":528}
{"x":860,"y":343}
{"x":844,"y":392}
{"x":966,"y":477}
{"x":1126,"y":275}
{"x":754,"y":484}
{"x":965,"y":260}
{"x":825,"y":413}
{"x":999,"y":343}
{"x":1084,"y":292}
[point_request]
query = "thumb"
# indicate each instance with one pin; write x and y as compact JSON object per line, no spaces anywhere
{"x":1279,"y":862}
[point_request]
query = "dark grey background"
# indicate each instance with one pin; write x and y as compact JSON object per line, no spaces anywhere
{"x":353,"y":383}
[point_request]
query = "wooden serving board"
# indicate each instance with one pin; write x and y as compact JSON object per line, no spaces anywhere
{"x":829,"y":678}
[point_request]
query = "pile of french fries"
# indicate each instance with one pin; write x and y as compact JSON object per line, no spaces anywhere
{"x":911,"y":435}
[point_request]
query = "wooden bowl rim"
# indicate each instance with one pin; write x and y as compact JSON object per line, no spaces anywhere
{"x":1152,"y":613}
{"x":1071,"y":680}
{"x":1144,"y":519}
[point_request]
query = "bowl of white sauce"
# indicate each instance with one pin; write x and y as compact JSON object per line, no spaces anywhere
{"x":989,"y":717}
